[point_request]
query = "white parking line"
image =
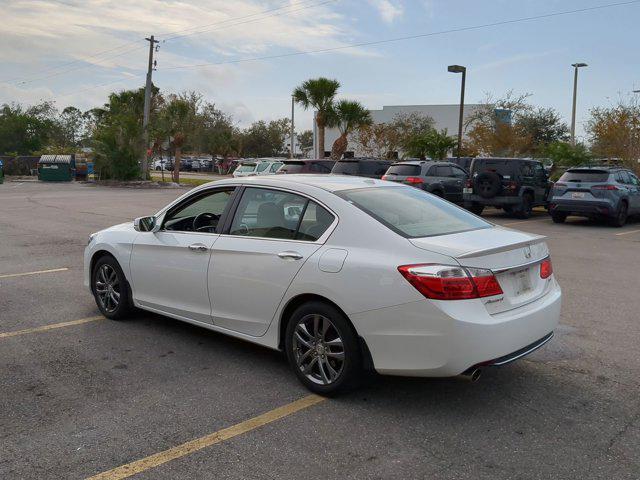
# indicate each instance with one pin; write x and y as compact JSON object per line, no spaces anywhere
{"x":627,"y":233}
{"x":38,"y":272}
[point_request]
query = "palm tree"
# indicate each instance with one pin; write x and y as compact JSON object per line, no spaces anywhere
{"x":179,"y":118}
{"x":318,"y":93}
{"x":348,"y":116}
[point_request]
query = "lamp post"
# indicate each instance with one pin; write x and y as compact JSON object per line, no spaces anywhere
{"x":292,"y":133}
{"x":575,"y":66}
{"x":463,"y":71}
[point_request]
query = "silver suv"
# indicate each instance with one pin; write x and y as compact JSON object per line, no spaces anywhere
{"x":596,"y":192}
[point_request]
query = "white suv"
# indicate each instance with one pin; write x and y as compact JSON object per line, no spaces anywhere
{"x":260,"y":166}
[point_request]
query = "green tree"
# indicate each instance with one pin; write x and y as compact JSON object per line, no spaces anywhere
{"x":117,"y":135}
{"x":179,"y":120}
{"x":433,"y":144}
{"x":264,"y":139}
{"x":305,"y":139}
{"x":71,"y":124}
{"x":318,"y":94}
{"x":215,"y":133}
{"x":565,"y":154}
{"x":348,"y":116}
{"x":24,"y":131}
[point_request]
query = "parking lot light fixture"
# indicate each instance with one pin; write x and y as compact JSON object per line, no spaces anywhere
{"x":463,"y":71}
{"x":575,"y":66}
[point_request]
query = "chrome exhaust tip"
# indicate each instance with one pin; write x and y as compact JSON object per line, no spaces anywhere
{"x":471,"y":375}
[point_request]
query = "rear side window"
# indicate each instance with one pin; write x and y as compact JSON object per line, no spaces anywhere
{"x":501,"y":166}
{"x":411,"y":212}
{"x":320,"y":167}
{"x":262,"y":167}
{"x":443,"y":171}
{"x":584,"y":176}
{"x":270,"y":213}
{"x":404,"y":170}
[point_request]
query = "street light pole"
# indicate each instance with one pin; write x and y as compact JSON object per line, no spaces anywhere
{"x":575,"y":66}
{"x":292,"y":133}
{"x":463,"y":70}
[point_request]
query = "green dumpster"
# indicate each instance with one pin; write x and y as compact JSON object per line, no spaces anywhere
{"x":56,"y":168}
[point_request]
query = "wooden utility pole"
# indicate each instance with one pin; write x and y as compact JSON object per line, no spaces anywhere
{"x":147,"y":106}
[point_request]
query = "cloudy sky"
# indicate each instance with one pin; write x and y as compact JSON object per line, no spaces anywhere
{"x":76,"y":51}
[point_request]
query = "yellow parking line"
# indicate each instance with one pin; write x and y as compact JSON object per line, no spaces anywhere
{"x":627,"y":233}
{"x":192,"y":446}
{"x":53,"y":326}
{"x":9,"y":275}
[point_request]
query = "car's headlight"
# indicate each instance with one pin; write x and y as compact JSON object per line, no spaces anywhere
{"x":91,"y":237}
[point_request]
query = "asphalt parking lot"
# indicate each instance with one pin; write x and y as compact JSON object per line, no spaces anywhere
{"x":158,"y":399}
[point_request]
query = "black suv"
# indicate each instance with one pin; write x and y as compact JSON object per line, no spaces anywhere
{"x":514,"y":184}
{"x":444,"y":179}
{"x":362,"y":167}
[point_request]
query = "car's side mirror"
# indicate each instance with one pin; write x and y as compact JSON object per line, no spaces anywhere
{"x":144,"y":224}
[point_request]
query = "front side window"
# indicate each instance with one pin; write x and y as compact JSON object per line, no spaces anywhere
{"x":276,"y":214}
{"x":275,"y":167}
{"x":458,"y":172}
{"x":443,"y":171}
{"x":411,"y":212}
{"x":262,"y":167}
{"x":201,"y":213}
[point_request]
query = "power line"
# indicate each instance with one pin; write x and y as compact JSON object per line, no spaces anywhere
{"x":409,"y":37}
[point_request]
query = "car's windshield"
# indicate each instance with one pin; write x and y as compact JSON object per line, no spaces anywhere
{"x":247,"y":167}
{"x":412,"y":212}
{"x":584,"y":176}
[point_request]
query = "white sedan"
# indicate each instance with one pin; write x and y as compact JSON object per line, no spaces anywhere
{"x":343,"y":273}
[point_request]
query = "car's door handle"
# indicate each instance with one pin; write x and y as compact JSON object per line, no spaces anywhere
{"x":198,"y":247}
{"x":290,"y":255}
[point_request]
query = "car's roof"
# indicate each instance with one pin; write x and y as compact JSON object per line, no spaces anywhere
{"x":330,"y":183}
{"x":365,"y":159}
{"x":424,"y":162}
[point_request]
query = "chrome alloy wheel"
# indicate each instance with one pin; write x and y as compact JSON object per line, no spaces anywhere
{"x":318,"y":349}
{"x":107,"y":288}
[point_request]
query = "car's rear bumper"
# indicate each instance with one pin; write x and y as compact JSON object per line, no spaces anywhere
{"x":582,"y":207}
{"x":472,"y":199}
{"x":427,"y":340}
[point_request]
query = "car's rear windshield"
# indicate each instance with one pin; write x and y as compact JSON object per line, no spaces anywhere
{"x":404,"y":170}
{"x":411,"y":212}
{"x":346,"y":168}
{"x":584,"y":176}
{"x":292,"y":167}
{"x":247,"y":167}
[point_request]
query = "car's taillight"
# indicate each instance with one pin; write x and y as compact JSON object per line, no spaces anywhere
{"x":561,"y":185}
{"x":384,"y":177}
{"x":605,"y":187}
{"x":469,"y":183}
{"x":445,"y":282}
{"x":413,"y":180}
{"x":511,"y":186}
{"x":546,"y":269}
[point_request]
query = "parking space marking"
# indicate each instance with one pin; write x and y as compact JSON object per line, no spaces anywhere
{"x":38,"y":272}
{"x":525,"y":221}
{"x":627,"y":233}
{"x":214,"y":438}
{"x":52,"y":326}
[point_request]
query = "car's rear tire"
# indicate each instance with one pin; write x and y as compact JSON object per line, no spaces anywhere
{"x":558,"y":217}
{"x":110,"y":288}
{"x":322,"y":348}
{"x":621,"y":216}
{"x":526,"y":207}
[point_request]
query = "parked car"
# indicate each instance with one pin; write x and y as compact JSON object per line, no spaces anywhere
{"x":306,"y":166}
{"x":342,"y":273}
{"x":162,"y":164}
{"x":362,"y":167}
{"x":514,"y":184}
{"x":596,"y":192}
{"x":257,"y":167}
{"x":443,"y":179}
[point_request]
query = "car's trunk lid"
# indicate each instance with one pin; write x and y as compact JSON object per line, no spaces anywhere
{"x":513,"y":256}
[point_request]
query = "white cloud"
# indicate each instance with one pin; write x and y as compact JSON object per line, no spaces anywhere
{"x":387,"y":9}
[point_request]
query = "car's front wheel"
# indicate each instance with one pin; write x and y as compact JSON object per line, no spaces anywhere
{"x":110,"y":288}
{"x":322,"y":349}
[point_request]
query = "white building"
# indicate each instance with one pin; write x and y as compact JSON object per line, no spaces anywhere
{"x":444,"y":116}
